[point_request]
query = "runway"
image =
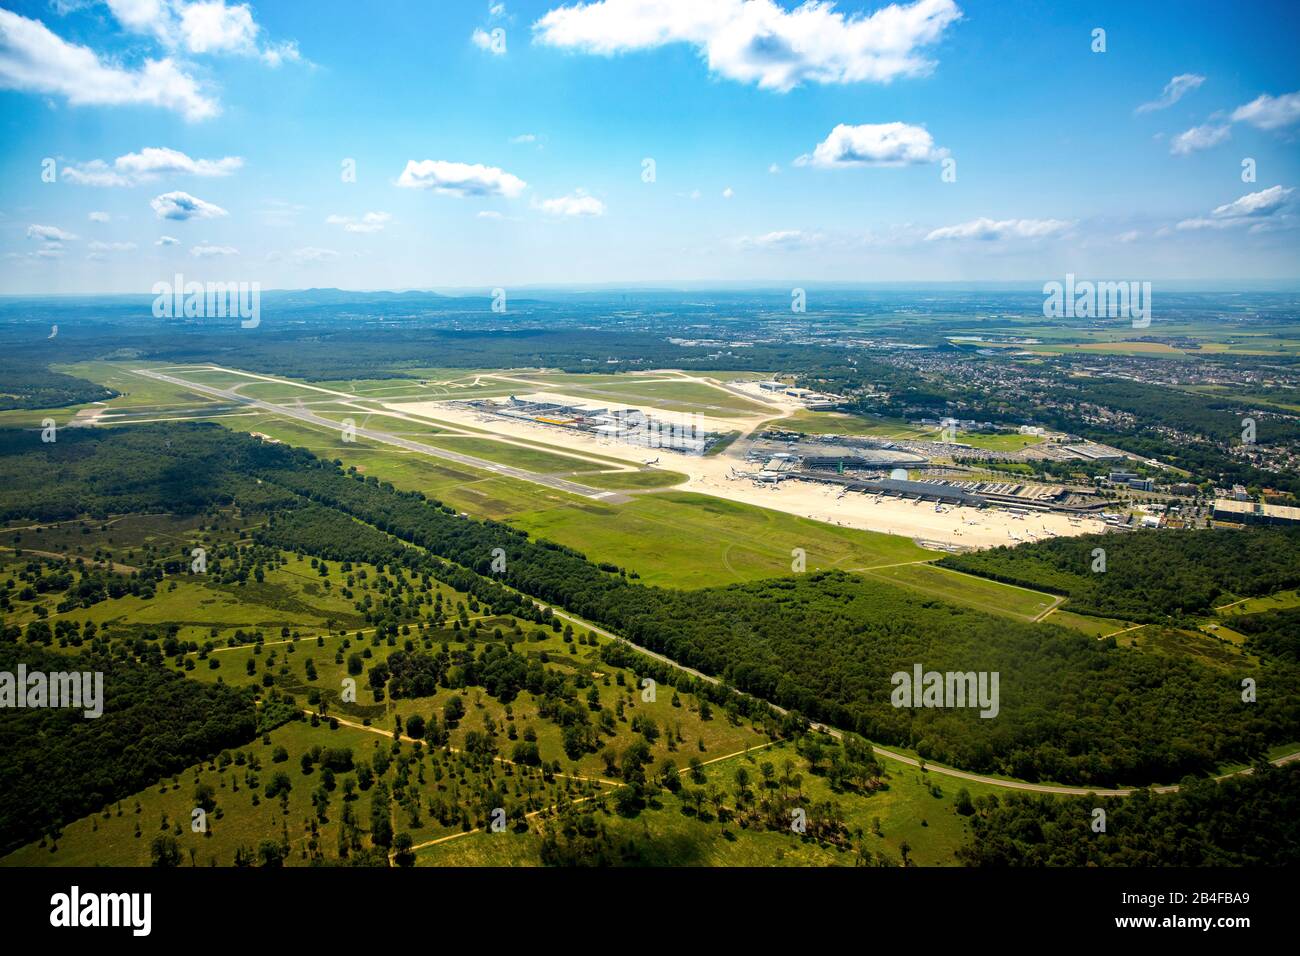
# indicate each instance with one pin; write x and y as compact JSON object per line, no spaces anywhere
{"x":386,"y":438}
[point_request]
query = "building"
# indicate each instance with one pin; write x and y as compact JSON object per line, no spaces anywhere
{"x":1254,"y":512}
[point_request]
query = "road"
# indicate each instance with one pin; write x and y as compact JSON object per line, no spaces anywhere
{"x":903,"y":758}
{"x":387,"y":438}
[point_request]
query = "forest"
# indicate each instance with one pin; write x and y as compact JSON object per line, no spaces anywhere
{"x":35,"y":386}
{"x":58,"y":765}
{"x":1149,"y":576}
{"x":1249,"y":820}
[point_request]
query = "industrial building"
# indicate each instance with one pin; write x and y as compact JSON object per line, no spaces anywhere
{"x":629,"y":425}
{"x":1254,"y":512}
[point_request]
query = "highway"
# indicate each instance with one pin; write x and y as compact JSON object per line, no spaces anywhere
{"x":387,"y":438}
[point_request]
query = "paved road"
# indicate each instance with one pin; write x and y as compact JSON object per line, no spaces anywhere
{"x":387,"y":438}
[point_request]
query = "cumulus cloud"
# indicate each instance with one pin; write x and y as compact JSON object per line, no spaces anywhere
{"x":98,"y":217}
{"x":181,"y":205}
{"x":99,"y":250}
{"x":202,"y":27}
{"x":205,"y":251}
{"x":460,"y":179}
{"x":989,"y":229}
{"x":1249,"y":210}
{"x":35,"y":60}
{"x":1198,"y":138}
{"x":1269,"y":112}
{"x":728,"y":193}
{"x":524,"y":138}
{"x":1174,"y":90}
{"x":577,"y":204}
{"x":758,"y":41}
{"x":147,"y":165}
{"x":49,"y":233}
{"x":166,"y":241}
{"x":874,"y":144}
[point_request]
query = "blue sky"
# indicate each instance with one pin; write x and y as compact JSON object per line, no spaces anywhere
{"x":789,"y":143}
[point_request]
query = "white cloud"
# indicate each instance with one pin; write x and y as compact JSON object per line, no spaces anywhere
{"x":97,"y":246}
{"x":181,"y":205}
{"x":202,"y":27}
{"x":212,"y":252}
{"x":49,"y":233}
{"x":577,"y":204}
{"x":757,"y":41}
{"x":1174,"y":90}
{"x":209,"y":27}
{"x":1248,"y":210}
{"x":370,"y":222}
{"x":460,"y":179}
{"x":1269,"y":112}
{"x":1131,"y":236}
{"x":524,"y":138}
{"x":785,"y":239}
{"x":99,"y":217}
{"x":494,"y":42}
{"x":1262,"y":203}
{"x":489,"y":214}
{"x":774,"y":169}
{"x":727,"y":193}
{"x":874,"y":144}
{"x":147,"y":165}
{"x":1198,"y":138}
{"x":989,"y":229}
{"x":166,"y":241}
{"x":35,"y":60}
{"x":310,"y":254}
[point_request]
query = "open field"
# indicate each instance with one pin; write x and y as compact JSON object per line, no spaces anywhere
{"x":968,"y":590}
{"x":908,"y":812}
{"x":840,"y":423}
{"x":690,"y":540}
{"x":1272,"y":602}
{"x":1094,"y":626}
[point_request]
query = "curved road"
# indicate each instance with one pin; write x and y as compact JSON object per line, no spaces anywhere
{"x":912,"y":761}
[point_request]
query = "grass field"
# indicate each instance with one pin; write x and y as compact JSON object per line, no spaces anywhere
{"x":1092,"y":626}
{"x":1000,"y":442}
{"x":631,"y":480}
{"x":1271,"y":602}
{"x":1177,"y":642}
{"x":683,"y":539}
{"x":968,"y":590}
{"x":838,"y":423}
{"x":908,"y":811}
